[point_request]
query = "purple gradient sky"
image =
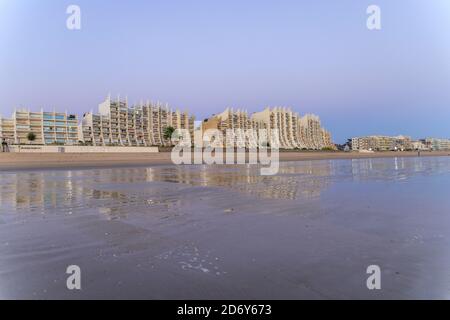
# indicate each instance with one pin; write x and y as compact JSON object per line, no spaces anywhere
{"x":315,"y":56}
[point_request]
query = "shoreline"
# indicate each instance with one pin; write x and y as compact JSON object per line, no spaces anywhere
{"x":29,"y":161}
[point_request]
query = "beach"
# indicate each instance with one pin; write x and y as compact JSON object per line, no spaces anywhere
{"x":11,"y":161}
{"x":226,"y":232}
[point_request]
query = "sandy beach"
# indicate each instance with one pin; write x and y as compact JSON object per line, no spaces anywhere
{"x":226,"y":232}
{"x":12,"y":161}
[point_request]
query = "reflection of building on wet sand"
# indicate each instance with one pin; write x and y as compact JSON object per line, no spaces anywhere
{"x":119,"y":191}
{"x":38,"y":191}
{"x":62,"y":192}
{"x":305,"y":180}
{"x":396,"y":168}
{"x":109,"y":191}
{"x":35,"y":190}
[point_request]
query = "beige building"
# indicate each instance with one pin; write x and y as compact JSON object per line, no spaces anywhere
{"x":437,"y":144}
{"x":312,"y":135}
{"x":7,"y":130}
{"x":48,"y":128}
{"x":294,"y":131}
{"x":232,"y":120}
{"x":419,"y":145}
{"x":140,"y":125}
{"x":382,"y":143}
{"x":283,"y":120}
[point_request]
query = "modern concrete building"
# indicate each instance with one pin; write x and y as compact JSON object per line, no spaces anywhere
{"x":116,"y":124}
{"x":232,"y":120}
{"x":7,"y":130}
{"x":48,"y":128}
{"x":419,"y":145}
{"x":437,"y":144}
{"x":382,"y":143}
{"x":144,"y":124}
{"x":294,"y":131}
{"x":283,"y":120}
{"x":312,"y":135}
{"x":139,"y":125}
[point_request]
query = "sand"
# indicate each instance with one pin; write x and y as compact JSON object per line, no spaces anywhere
{"x":225,"y":232}
{"x":12,"y":161}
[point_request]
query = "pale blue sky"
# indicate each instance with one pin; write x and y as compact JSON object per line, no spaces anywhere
{"x":315,"y":56}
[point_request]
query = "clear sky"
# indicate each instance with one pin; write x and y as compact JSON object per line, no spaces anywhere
{"x":314,"y":56}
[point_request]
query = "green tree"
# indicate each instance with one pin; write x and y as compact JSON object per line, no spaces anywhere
{"x":31,"y":136}
{"x":168,"y":133}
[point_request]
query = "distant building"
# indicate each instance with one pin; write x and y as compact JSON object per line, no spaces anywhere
{"x":139,"y":125}
{"x":231,"y":120}
{"x":382,"y":143}
{"x":437,"y":144}
{"x":7,"y":130}
{"x":48,"y":128}
{"x":312,"y":135}
{"x":284,"y":121}
{"x":295,"y":132}
{"x":346,"y":146}
{"x":419,"y":145}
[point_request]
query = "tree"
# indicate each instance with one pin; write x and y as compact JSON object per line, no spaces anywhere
{"x":168,"y":133}
{"x":31,"y":136}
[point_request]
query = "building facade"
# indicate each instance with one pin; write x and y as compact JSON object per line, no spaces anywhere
{"x":7,"y":131}
{"x":437,"y":144}
{"x":141,"y":125}
{"x":48,"y":128}
{"x":294,"y":132}
{"x":382,"y":143}
{"x":144,"y":124}
{"x":234,"y":120}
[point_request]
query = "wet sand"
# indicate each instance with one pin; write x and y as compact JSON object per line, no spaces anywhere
{"x":225,"y":232}
{"x":13,"y":161}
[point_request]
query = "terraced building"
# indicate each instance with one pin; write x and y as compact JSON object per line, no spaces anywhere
{"x":140,"y":125}
{"x":294,"y":132}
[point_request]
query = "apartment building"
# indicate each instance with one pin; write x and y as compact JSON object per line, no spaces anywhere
{"x":327,"y":140}
{"x":382,"y":143}
{"x":293,"y":131}
{"x":437,"y":144}
{"x":296,"y":132}
{"x":283,"y":120}
{"x":232,"y":120}
{"x":312,"y":135}
{"x":420,"y":145}
{"x":140,"y":125}
{"x":48,"y":128}
{"x":7,"y":130}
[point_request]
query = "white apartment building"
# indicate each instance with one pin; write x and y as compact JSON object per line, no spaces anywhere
{"x":294,"y":131}
{"x":141,"y":125}
{"x":232,"y":120}
{"x":7,"y":131}
{"x":48,"y":128}
{"x":382,"y":143}
{"x":437,"y":144}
